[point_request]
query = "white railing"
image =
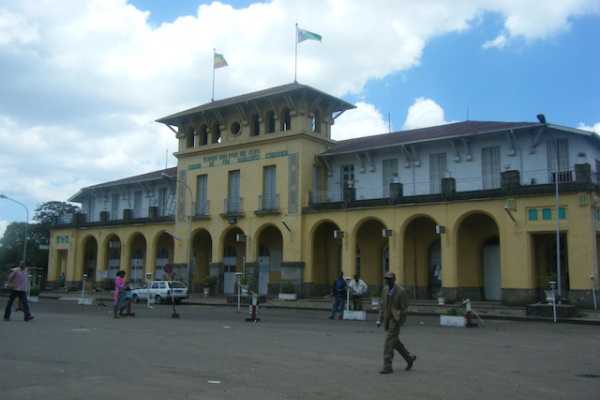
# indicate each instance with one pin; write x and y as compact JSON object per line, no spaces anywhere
{"x":545,"y":176}
{"x":268,"y":203}
{"x":202,"y":208}
{"x":534,"y":177}
{"x":234,"y":205}
{"x":326,"y":196}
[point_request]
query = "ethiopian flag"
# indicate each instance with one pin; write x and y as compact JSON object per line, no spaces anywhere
{"x":220,"y":61}
{"x":306,"y":35}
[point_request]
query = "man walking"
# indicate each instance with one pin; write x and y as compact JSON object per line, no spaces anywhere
{"x":17,"y":282}
{"x":339,"y":293}
{"x":392,"y":312}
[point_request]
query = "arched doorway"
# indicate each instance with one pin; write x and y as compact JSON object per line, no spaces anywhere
{"x":137,"y":268}
{"x":326,"y":258}
{"x":114,"y":265}
{"x":478,"y":252}
{"x":136,"y":262}
{"x":91,"y":259}
{"x":164,"y":255}
{"x":270,"y":250}
{"x":202,"y":255}
{"x":435,"y":268}
{"x":492,"y":278}
{"x":234,"y":251}
{"x":370,"y":249}
{"x":419,"y":235}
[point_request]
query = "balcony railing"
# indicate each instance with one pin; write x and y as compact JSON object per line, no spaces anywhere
{"x":326,"y":196}
{"x":202,"y":208}
{"x":65,"y":219}
{"x":545,"y":176}
{"x":508,"y":180}
{"x":233,"y":206}
{"x":471,"y":184}
{"x":268,"y":203}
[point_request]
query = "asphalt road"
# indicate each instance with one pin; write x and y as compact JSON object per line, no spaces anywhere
{"x":80,"y":352}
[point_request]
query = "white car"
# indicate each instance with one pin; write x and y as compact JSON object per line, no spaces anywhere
{"x":161,"y":291}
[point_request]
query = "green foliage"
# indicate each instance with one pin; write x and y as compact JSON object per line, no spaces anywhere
{"x":376,"y":292}
{"x":210,"y":281}
{"x":358,"y":303}
{"x":546,"y":278}
{"x":455,"y":312}
{"x":46,"y":213}
{"x":246,"y":279}
{"x":35,"y":291}
{"x":11,"y":243}
{"x":287,"y":287}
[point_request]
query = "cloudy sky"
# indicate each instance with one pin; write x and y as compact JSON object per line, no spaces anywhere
{"x":82,"y":81}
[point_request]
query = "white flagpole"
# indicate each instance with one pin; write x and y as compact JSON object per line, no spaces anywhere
{"x":296,"y":56}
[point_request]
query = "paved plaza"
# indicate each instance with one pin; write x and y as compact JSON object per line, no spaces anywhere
{"x":72,"y":351}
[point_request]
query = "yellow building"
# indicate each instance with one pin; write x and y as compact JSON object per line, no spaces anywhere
{"x":468,"y":209}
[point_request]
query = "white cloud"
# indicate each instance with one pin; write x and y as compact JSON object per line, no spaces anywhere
{"x":531,"y":20}
{"x":423,"y":113}
{"x":365,"y":120}
{"x":500,"y":42}
{"x":594,"y":128}
{"x":84,"y":80}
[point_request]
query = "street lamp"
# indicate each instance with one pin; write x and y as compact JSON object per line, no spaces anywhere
{"x":542,"y":119}
{"x":26,"y":223}
{"x":165,"y":176}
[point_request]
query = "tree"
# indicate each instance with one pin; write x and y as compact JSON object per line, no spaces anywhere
{"x":11,"y":243}
{"x":46,"y":213}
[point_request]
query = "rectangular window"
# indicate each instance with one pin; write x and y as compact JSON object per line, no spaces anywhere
{"x":347,"y":176}
{"x":137,"y":204}
{"x":269,"y":188}
{"x":162,"y":202}
{"x":562,"y":213}
{"x":533,"y":214}
{"x":91,"y":209}
{"x":546,"y":214}
{"x":201,"y":204}
{"x":233,"y":195}
{"x":316,"y":178}
{"x":437,"y":171}
{"x":316,"y":186}
{"x":564,"y":172}
{"x":490,"y":167}
{"x":390,"y":174}
{"x":115,"y":206}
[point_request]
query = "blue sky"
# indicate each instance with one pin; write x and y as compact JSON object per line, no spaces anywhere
{"x":84,"y":80}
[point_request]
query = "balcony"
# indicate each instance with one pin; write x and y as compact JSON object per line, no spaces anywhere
{"x":233,"y":207}
{"x":103,"y":218}
{"x":506,"y":183}
{"x":202,"y":209}
{"x":268,"y":204}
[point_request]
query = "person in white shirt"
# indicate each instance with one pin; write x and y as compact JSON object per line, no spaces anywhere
{"x":357,"y":289}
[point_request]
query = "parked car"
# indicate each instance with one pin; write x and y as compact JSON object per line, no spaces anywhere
{"x":161,"y":291}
